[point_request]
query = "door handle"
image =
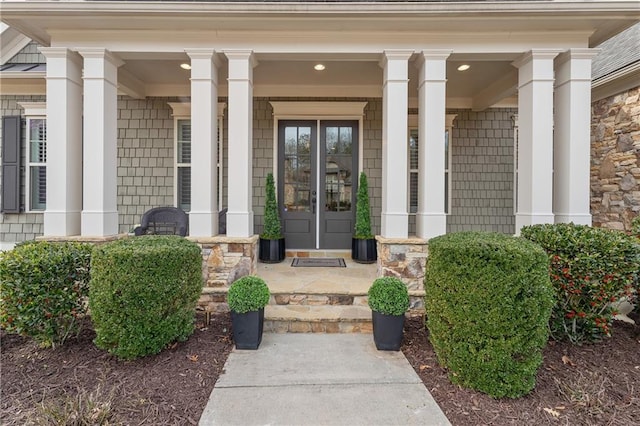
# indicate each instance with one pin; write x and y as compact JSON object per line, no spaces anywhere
{"x":313,"y":205}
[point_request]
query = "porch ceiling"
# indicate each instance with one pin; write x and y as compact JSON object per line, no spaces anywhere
{"x":362,"y":77}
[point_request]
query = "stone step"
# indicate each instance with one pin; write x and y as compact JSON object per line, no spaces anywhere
{"x":317,"y":319}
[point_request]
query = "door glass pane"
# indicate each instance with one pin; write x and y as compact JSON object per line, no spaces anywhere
{"x":297,"y":169}
{"x":338,"y":173}
{"x":346,"y":140}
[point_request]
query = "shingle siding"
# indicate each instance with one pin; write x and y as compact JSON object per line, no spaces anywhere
{"x":482,"y":171}
{"x":28,"y":55}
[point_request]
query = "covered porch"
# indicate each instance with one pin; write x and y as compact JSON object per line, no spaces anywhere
{"x":506,"y":140}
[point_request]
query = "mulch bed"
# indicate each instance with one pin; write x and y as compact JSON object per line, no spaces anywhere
{"x":592,"y":385}
{"x":595,"y":384}
{"x":79,"y":382}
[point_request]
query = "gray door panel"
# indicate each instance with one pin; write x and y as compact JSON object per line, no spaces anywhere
{"x":303,"y":200}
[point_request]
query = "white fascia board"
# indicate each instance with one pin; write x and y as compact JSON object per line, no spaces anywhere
{"x":359,"y":43}
{"x":616,"y":82}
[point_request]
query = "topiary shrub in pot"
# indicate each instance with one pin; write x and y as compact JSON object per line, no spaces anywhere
{"x":388,"y":300}
{"x":363,"y":243}
{"x":247,"y":298}
{"x":488,"y":300}
{"x":271,"y":244}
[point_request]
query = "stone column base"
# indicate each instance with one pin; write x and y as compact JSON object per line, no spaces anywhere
{"x":224,"y":260}
{"x":405,"y":258}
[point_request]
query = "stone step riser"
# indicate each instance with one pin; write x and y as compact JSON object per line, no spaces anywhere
{"x":317,"y":299}
{"x":320,"y":326}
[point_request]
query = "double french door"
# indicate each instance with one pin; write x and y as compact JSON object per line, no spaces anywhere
{"x":317,"y":180}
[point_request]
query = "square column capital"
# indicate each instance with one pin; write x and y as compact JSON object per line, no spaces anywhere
{"x":394,"y":61}
{"x":204,"y":54}
{"x":204,"y":65}
{"x":574,"y":65}
{"x":63,"y":63}
{"x":242,"y":55}
{"x":432,"y":65}
{"x":535,"y":65}
{"x":101,"y":53}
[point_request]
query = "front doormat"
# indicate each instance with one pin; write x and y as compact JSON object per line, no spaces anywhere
{"x":319,"y":262}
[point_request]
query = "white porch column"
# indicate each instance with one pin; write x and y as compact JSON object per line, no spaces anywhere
{"x":64,"y":142}
{"x":240,"y":185}
{"x":431,"y":219}
{"x":203,"y":218}
{"x":535,"y":142}
{"x":395,"y":217}
{"x":100,"y":143}
{"x":571,"y":154}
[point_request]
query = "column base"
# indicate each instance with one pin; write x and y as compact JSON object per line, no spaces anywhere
{"x":61,"y":223}
{"x":526,"y":219}
{"x":394,"y":225}
{"x":99,"y":223}
{"x":203,"y":224}
{"x":239,"y":224}
{"x":429,"y":225}
{"x":577,"y":218}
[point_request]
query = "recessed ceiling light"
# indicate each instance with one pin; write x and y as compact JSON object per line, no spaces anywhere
{"x":464,"y":67}
{"x":185,"y":66}
{"x":319,"y":67}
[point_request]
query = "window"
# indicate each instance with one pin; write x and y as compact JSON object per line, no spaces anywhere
{"x":182,"y":169}
{"x":37,"y":163}
{"x":183,"y":164}
{"x":413,"y":164}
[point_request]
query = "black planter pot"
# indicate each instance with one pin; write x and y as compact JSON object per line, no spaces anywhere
{"x":247,"y":329}
{"x":271,"y":251}
{"x":364,"y":251}
{"x":387,"y":331}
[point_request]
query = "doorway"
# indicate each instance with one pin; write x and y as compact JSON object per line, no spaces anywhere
{"x":317,"y":182}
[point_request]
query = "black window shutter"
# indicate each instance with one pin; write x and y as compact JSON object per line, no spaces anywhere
{"x":11,"y":127}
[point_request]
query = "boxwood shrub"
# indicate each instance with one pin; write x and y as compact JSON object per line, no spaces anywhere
{"x":488,"y":301}
{"x":143,"y":293}
{"x":389,"y":296}
{"x":43,"y":289}
{"x":247,"y":294}
{"x":589,"y":269}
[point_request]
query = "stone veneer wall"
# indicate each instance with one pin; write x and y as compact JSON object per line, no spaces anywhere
{"x":615,"y":160}
{"x":22,"y":226}
{"x":482,"y":170}
{"x":405,"y":259}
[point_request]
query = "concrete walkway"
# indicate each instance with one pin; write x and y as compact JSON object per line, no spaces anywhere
{"x":320,"y":379}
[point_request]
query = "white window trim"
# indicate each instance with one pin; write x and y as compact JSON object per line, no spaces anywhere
{"x":413,"y":124}
{"x":182,"y":111}
{"x":32,"y":111}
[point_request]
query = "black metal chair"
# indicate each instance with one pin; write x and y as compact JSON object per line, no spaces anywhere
{"x":163,"y":221}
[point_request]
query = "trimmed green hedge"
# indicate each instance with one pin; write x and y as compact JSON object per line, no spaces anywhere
{"x":589,"y":269}
{"x":143,"y":293}
{"x":389,"y":296}
{"x":488,"y":301}
{"x":247,"y":294}
{"x":43,"y":289}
